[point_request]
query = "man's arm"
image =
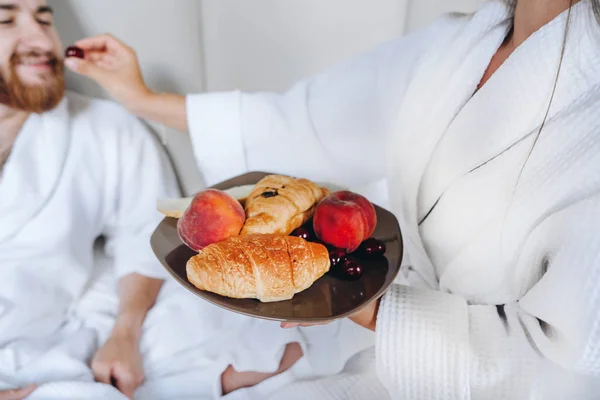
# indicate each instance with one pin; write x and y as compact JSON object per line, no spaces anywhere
{"x":137,"y":294}
{"x":119,"y":362}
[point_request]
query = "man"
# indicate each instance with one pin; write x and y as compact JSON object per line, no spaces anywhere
{"x":71,"y":169}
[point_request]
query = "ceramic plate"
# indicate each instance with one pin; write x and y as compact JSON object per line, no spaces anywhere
{"x":329,"y":298}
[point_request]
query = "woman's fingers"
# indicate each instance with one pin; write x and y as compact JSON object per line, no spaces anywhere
{"x":101,"y":43}
{"x":84,"y":67}
{"x":366,"y":317}
{"x":94,"y":56}
{"x":289,"y":325}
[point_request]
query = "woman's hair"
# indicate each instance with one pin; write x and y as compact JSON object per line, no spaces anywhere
{"x":596,"y":8}
{"x":512,"y":3}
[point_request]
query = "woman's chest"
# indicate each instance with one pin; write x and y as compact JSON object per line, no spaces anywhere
{"x":476,"y":224}
{"x":462,"y":224}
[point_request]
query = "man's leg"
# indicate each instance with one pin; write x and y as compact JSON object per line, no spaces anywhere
{"x":233,"y":380}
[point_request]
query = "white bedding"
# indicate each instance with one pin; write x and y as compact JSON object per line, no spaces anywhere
{"x":188,"y":342}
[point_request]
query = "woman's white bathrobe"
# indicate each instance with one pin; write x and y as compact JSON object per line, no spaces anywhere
{"x":500,"y":292}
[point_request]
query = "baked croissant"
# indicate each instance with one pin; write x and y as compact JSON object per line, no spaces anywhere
{"x":266,"y":267}
{"x":280,"y":204}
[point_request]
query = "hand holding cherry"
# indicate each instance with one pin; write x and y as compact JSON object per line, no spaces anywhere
{"x":112,"y":64}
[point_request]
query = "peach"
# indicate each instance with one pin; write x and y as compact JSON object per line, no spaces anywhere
{"x":344,"y":219}
{"x":211,"y":217}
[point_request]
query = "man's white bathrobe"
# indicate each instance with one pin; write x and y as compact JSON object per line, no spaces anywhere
{"x":83,"y":170}
{"x":499,"y":296}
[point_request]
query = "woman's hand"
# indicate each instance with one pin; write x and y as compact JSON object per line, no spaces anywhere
{"x":119,"y":363}
{"x":366,"y":317}
{"x":114,"y":66}
{"x":17,"y":394}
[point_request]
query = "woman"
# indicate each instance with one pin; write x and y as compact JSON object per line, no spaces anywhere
{"x":486,"y":131}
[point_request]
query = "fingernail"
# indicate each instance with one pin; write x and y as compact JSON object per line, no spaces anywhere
{"x":72,"y":63}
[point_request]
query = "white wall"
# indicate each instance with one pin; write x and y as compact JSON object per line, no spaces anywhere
{"x":194,"y":45}
{"x":270,"y":44}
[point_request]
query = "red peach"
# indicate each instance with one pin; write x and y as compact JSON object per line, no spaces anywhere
{"x":344,"y":219}
{"x":211,"y":217}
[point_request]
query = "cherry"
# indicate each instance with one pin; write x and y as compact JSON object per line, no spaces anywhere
{"x":302,"y":233}
{"x":372,"y":247}
{"x":351,"y":269}
{"x":337,"y":257}
{"x":74,"y":51}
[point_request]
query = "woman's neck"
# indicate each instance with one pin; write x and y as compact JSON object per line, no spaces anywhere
{"x":531,"y":15}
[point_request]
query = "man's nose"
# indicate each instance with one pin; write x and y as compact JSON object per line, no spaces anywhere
{"x":35,"y":36}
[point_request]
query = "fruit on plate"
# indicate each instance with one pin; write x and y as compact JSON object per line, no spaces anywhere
{"x":74,"y":51}
{"x":351,"y":269}
{"x":174,"y":207}
{"x":372,"y":247}
{"x":304,"y":233}
{"x":337,"y":257}
{"x":344,"y":219}
{"x":211,"y":217}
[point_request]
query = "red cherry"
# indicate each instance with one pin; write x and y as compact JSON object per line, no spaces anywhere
{"x":74,"y":51}
{"x":372,"y":247}
{"x":337,"y":257}
{"x":352,"y":270}
{"x":302,"y":233}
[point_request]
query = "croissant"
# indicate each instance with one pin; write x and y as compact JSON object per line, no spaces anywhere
{"x":266,"y":267}
{"x":280,"y":204}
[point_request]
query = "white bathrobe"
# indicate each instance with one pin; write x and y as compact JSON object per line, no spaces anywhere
{"x":83,"y":170}
{"x":499,"y":296}
{"x":87,"y":169}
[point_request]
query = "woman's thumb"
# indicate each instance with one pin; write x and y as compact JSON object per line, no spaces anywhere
{"x":83,"y":67}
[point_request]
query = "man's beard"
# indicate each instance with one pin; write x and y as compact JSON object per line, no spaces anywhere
{"x":32,"y":98}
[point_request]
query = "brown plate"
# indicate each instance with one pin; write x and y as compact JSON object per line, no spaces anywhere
{"x":327,"y":299}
